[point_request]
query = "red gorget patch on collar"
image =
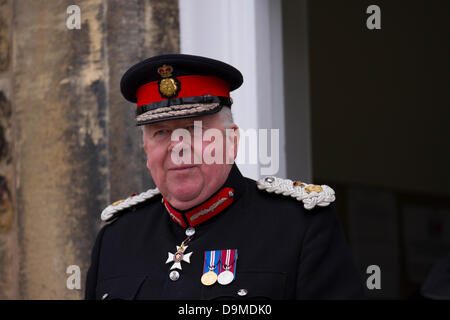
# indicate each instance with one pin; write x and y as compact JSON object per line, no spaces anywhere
{"x":205,"y":211}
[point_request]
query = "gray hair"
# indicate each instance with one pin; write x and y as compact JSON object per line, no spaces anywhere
{"x":226,"y":116}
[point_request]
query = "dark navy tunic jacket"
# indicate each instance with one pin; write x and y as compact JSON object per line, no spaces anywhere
{"x":284,"y":251}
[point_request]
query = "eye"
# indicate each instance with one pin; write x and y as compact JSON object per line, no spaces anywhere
{"x":160,"y":132}
{"x":194,"y":129}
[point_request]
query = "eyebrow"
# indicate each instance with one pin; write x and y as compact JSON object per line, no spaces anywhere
{"x":156,"y":126}
{"x":162,"y":125}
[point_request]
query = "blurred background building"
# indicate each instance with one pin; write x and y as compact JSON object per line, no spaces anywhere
{"x":364,"y":111}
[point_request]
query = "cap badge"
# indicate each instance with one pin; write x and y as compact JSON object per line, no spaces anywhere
{"x":165,"y":71}
{"x":168,"y":86}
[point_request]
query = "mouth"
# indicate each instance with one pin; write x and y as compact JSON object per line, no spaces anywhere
{"x":181,"y":168}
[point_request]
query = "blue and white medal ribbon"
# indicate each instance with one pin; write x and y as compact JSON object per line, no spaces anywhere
{"x":210,"y":267}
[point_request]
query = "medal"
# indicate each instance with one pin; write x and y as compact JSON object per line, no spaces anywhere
{"x":210,"y":267}
{"x":209,"y":278}
{"x":227,"y":270}
{"x":179,"y":255}
{"x":226,"y":277}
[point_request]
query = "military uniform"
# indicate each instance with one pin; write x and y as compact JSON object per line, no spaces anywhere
{"x":284,"y":250}
{"x":267,"y":239}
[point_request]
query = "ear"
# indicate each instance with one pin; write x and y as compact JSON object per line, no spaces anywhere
{"x":145,"y":146}
{"x":237,"y":136}
{"x":233,"y":136}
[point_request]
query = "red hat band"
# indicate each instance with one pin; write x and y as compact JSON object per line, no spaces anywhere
{"x":184,"y":86}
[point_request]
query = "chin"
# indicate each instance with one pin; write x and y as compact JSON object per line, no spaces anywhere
{"x":184,"y":193}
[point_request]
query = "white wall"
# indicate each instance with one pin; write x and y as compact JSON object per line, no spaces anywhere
{"x":248,"y":35}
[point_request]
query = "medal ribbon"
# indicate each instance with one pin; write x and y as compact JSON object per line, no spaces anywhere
{"x":211,"y":260}
{"x":228,"y":261}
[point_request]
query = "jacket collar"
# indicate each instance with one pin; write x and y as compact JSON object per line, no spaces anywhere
{"x":230,"y":192}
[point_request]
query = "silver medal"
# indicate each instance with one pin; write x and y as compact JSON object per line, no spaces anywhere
{"x":225,"y":277}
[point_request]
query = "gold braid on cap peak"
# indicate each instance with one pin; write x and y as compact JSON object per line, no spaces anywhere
{"x":175,"y":111}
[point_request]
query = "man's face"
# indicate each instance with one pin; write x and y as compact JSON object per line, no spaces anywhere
{"x":188,"y":183}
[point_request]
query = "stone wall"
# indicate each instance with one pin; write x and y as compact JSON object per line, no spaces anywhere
{"x":68,"y":144}
{"x":9,"y":267}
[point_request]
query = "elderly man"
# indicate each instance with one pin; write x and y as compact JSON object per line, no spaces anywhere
{"x":207,"y":232}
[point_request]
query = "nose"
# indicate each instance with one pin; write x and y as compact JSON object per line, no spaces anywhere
{"x":180,"y":144}
{"x":180,"y":151}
